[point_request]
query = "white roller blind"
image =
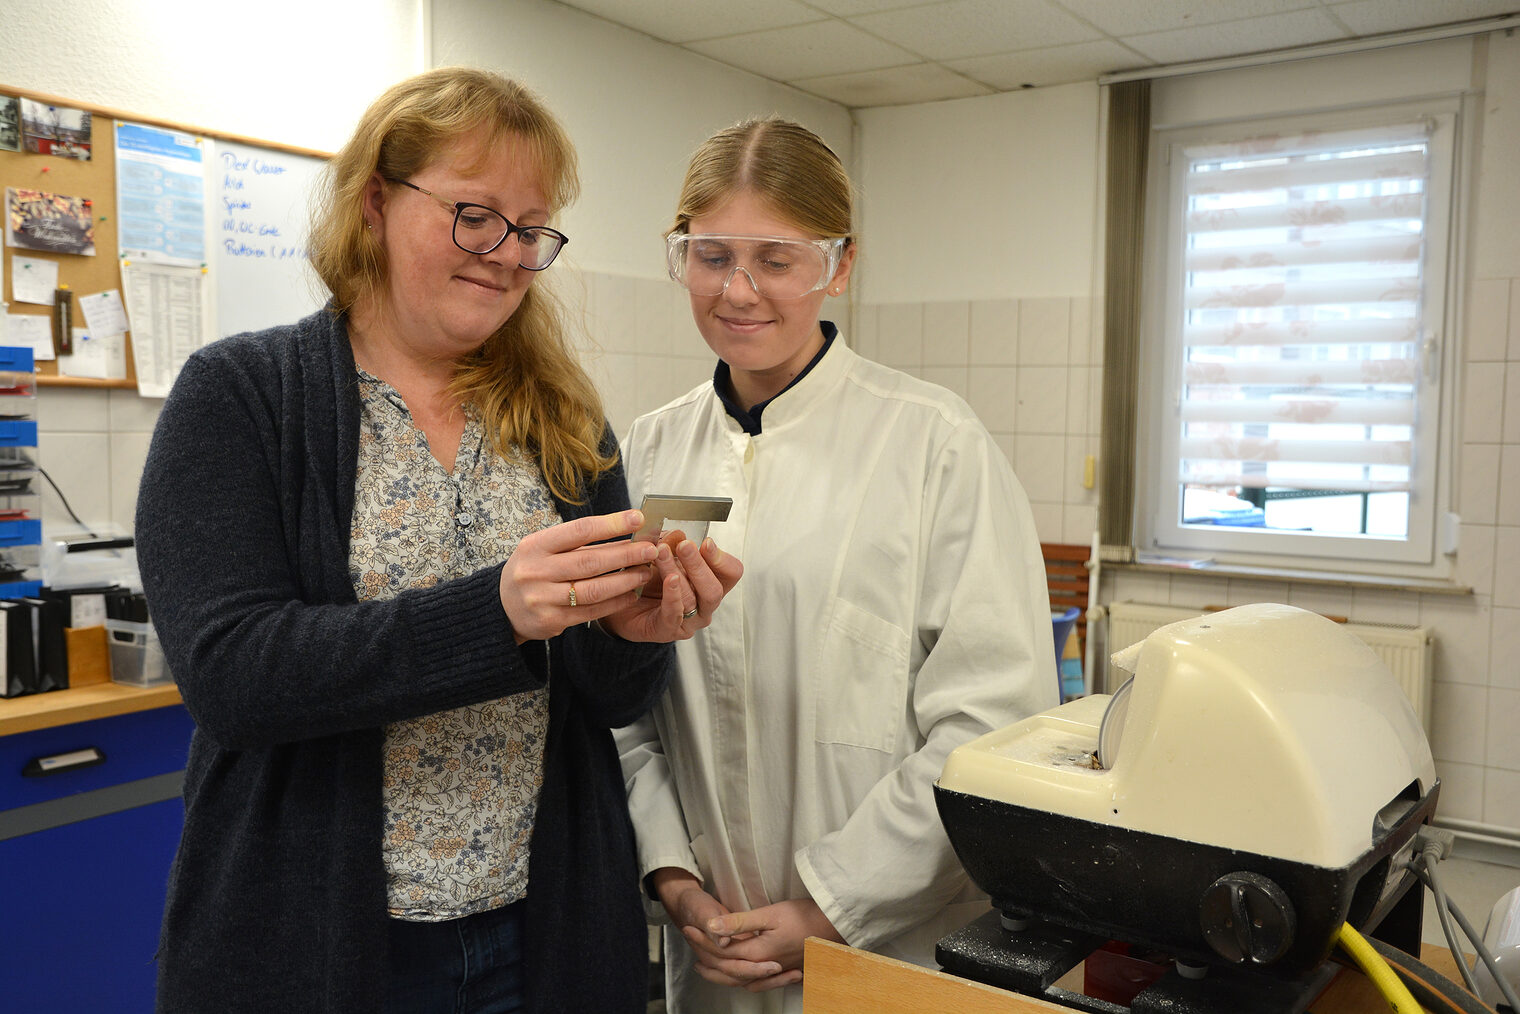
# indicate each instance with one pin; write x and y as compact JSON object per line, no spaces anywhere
{"x":1301,"y":327}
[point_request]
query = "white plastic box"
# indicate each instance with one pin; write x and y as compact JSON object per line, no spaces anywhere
{"x":136,"y":658}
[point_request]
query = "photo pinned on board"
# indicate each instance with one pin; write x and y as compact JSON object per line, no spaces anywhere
{"x":10,"y":123}
{"x":38,"y":220}
{"x":55,"y":130}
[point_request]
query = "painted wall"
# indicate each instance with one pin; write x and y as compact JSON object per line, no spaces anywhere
{"x":980,"y":222}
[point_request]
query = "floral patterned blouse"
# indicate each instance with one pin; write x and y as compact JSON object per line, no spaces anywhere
{"x":460,"y":787}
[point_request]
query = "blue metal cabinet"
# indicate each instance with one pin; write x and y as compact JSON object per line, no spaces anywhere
{"x":86,"y":840}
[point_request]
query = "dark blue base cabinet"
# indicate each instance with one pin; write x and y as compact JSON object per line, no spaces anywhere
{"x":90,"y":816}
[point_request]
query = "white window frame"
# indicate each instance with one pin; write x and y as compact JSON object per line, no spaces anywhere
{"x":1157,"y":526}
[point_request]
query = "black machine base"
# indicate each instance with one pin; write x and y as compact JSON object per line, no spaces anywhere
{"x":1031,"y":960}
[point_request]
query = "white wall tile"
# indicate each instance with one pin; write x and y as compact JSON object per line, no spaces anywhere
{"x":993,"y":396}
{"x":80,"y":464}
{"x":1511,"y":403}
{"x":1487,"y":321}
{"x":1316,"y":598}
{"x":1503,"y":720}
{"x":947,"y":334}
{"x":1507,"y":564}
{"x":1508,"y":512}
{"x":1475,"y":558}
{"x":1513,"y":355}
{"x":1199,"y":593}
{"x":1080,"y":351}
{"x":1457,"y":721}
{"x":72,"y":410}
{"x":1478,"y":483}
{"x":1140,"y":586}
{"x":995,"y":332}
{"x":1461,"y":791}
{"x":1078,"y":448}
{"x":1504,"y":649}
{"x":1042,"y":398}
{"x":1005,"y":443}
{"x":685,"y":339}
{"x":863,"y":339}
{"x":611,"y":320}
{"x":1482,"y":403}
{"x":652,"y":332}
{"x":1501,"y":798}
{"x":1040,"y":464}
{"x":952,"y":378}
{"x":1078,"y":522}
{"x":1380,"y":605}
{"x":1044,"y":331}
{"x":652,"y":382}
{"x":1461,"y":626}
{"x":1078,"y":391}
{"x":1047,"y":521}
{"x":617,"y":384}
{"x":129,"y":452}
{"x":130,"y":412}
{"x":1243,"y":591}
{"x":900,"y":334}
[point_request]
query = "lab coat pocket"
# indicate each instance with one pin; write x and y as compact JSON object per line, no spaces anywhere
{"x":861,"y":680}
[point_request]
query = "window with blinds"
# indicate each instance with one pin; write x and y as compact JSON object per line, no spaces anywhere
{"x":1306,"y":278}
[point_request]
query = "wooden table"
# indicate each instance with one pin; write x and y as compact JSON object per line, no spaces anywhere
{"x":81,"y":704}
{"x":843,"y":980}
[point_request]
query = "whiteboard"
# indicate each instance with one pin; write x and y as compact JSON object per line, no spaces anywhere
{"x":258,"y":214}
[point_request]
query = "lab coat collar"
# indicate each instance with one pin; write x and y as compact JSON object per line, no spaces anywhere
{"x":749,"y":420}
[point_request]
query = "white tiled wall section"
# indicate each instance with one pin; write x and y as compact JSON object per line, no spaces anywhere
{"x":1029,"y":368}
{"x":93,"y":444}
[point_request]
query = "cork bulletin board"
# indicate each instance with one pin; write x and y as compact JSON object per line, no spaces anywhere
{"x":256,"y":205}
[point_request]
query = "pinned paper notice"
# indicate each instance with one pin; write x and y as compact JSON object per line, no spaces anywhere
{"x":33,"y":279}
{"x":32,"y":331}
{"x":103,"y":313}
{"x":102,"y":358}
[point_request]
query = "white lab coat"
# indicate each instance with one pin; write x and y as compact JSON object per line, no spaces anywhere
{"x":893,"y":606}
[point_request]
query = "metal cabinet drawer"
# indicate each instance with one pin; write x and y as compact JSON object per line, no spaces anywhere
{"x":131,"y":747}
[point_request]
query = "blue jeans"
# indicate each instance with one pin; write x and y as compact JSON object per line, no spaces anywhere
{"x":472,"y":965}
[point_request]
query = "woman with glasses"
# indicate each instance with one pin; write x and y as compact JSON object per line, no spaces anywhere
{"x":894,"y":604}
{"x":385,"y":551}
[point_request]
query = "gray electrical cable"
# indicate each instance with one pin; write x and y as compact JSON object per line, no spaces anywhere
{"x":1424,"y":860}
{"x":1428,"y":878}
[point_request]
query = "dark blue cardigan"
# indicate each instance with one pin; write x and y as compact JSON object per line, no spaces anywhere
{"x":277,"y":895}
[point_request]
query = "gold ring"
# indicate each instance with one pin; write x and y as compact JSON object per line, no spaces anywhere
{"x":689,"y":614}
{"x":572,"y":594}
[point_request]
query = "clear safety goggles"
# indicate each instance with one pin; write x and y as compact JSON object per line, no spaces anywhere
{"x":776,"y":267}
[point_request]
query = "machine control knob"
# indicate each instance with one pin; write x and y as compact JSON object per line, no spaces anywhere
{"x":1247,"y":919}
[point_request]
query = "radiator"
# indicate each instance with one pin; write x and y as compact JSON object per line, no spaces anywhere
{"x":1406,"y":650}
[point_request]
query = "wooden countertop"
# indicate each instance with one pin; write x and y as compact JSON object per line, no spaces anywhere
{"x":81,"y":704}
{"x":843,"y":980}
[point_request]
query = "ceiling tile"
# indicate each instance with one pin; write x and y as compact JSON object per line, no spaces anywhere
{"x":1132,"y":17}
{"x":895,"y":86}
{"x":851,"y":8}
{"x":1084,"y":61}
{"x":965,"y":28}
{"x":1369,"y":17}
{"x":1233,"y":38}
{"x":817,"y":50}
{"x":686,"y":20}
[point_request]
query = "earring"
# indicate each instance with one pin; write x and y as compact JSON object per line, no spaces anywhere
{"x":834,"y":291}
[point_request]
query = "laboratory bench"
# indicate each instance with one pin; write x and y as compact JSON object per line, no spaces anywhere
{"x":90,"y":815}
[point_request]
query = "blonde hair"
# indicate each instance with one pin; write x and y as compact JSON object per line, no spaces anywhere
{"x":783,"y":163}
{"x":524,"y":380}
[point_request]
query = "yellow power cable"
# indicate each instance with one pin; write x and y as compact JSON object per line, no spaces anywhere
{"x":1400,"y":1000}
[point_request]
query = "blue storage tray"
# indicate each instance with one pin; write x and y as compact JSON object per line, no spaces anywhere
{"x":137,"y":745}
{"x":17,"y":359}
{"x":24,"y":532}
{"x":18,"y":433}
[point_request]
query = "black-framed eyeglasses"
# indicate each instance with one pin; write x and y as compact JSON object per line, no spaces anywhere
{"x":479,"y":230}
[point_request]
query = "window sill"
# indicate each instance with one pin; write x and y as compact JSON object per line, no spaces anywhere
{"x":1209,"y":568}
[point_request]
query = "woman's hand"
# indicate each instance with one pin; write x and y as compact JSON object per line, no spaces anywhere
{"x":555,"y":578}
{"x":770,"y":936}
{"x":691,"y":909}
{"x":687,"y":586}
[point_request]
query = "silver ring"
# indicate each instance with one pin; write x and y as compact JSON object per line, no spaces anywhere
{"x":688,"y":614}
{"x":572,"y":594}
